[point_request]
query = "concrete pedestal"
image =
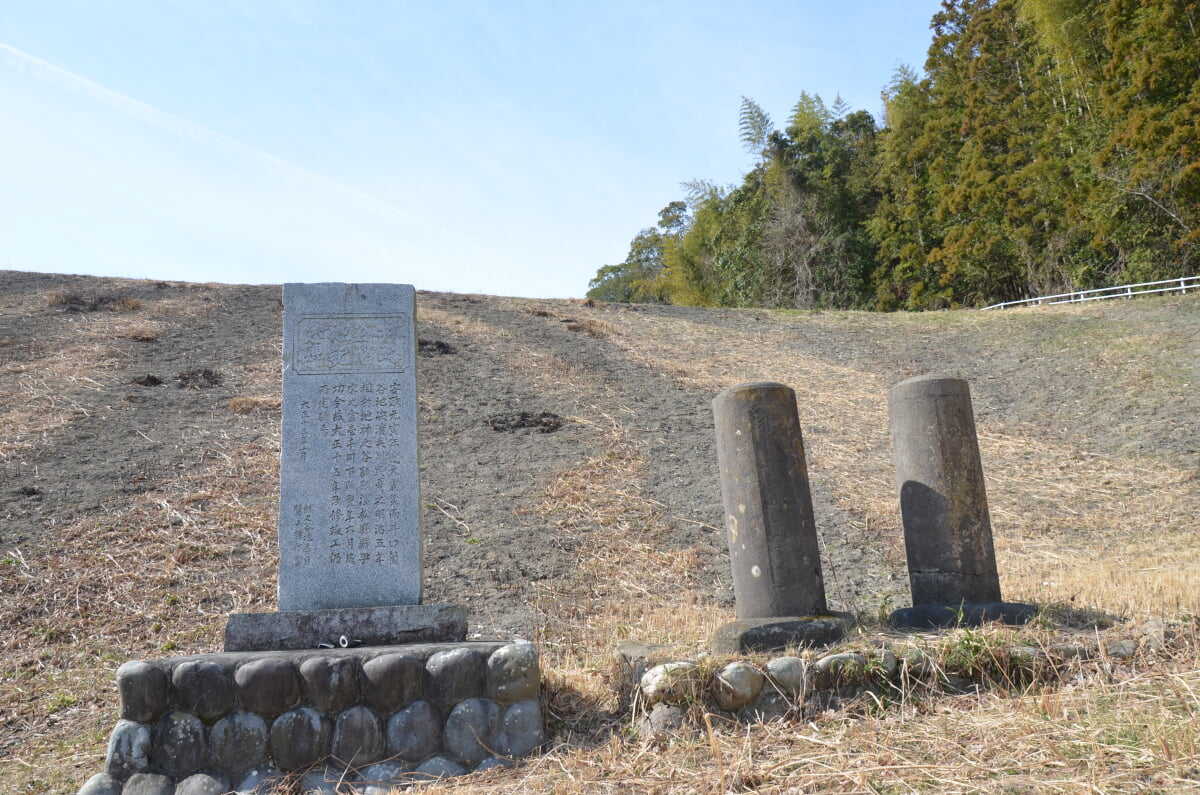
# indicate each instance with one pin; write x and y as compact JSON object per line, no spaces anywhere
{"x":366,"y":626}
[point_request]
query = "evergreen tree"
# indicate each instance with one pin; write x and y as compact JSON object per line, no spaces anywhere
{"x":1151,"y":95}
{"x":640,"y":278}
{"x":1048,"y":145}
{"x":902,"y":224}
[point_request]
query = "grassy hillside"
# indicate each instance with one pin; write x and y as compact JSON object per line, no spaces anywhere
{"x":138,"y":478}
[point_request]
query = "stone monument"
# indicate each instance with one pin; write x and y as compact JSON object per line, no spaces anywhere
{"x":772,"y":536}
{"x":349,"y":497}
{"x":943,"y":507}
{"x":349,"y":491}
{"x":354,"y":680}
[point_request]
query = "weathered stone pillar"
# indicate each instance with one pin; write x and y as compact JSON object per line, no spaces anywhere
{"x":768,"y":509}
{"x":769,"y":522}
{"x":943,"y":505}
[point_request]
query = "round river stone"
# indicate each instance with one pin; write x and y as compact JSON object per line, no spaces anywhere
{"x":415,"y":732}
{"x":145,"y":691}
{"x":358,"y":736}
{"x":455,"y":675}
{"x":330,"y":684}
{"x":513,"y":674}
{"x":391,"y":682}
{"x":299,"y":738}
{"x":268,"y":686}
{"x":204,"y":688}
{"x":180,"y":744}
{"x":470,"y":729}
{"x":238,"y":742}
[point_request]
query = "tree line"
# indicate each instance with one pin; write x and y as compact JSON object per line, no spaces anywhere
{"x":1047,"y":146}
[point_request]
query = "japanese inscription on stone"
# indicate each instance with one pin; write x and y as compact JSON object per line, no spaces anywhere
{"x":349,"y":344}
{"x":349,"y":512}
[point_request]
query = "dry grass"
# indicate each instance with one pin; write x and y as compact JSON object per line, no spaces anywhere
{"x":1062,"y":539}
{"x":600,"y":502}
{"x":540,"y":367}
{"x":1065,"y":517}
{"x":249,"y":405}
{"x":149,"y":576}
{"x":140,"y":578}
{"x":60,"y":378}
{"x":1110,"y":727}
{"x":76,"y":301}
{"x":60,"y":383}
{"x":591,"y":326}
{"x":142,"y":334}
{"x":146,"y":579}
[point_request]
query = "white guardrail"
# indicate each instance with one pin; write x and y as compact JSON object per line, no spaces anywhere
{"x":1181,"y":285}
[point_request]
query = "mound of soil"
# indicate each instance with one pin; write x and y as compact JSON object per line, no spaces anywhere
{"x":569,"y":477}
{"x":542,"y":421}
{"x":515,"y":396}
{"x":200,"y":378}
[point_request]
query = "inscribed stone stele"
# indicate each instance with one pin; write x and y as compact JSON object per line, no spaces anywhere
{"x":349,"y":502}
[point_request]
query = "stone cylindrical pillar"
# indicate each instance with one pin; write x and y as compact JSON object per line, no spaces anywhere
{"x":943,"y":505}
{"x":768,"y":508}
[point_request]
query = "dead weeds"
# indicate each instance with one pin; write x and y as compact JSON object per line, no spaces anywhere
{"x":198,"y":378}
{"x":1075,"y":527}
{"x":250,"y":405}
{"x":591,"y":326}
{"x":77,"y":301}
{"x":1064,"y":515}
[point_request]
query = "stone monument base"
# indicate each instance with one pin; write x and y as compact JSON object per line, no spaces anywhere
{"x":348,"y":626}
{"x":753,"y":635}
{"x":964,"y":614}
{"x":374,"y":717}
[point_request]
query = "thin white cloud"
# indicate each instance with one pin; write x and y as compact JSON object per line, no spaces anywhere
{"x":47,"y":72}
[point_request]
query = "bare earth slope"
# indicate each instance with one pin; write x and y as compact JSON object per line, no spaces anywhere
{"x":568,"y":470}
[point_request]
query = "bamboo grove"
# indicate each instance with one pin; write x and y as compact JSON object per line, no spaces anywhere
{"x":1048,"y":145}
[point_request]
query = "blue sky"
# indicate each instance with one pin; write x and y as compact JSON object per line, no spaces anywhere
{"x":509,"y":148}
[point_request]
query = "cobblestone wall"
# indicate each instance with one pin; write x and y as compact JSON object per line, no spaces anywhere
{"x":377,"y":717}
{"x":668,"y":695}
